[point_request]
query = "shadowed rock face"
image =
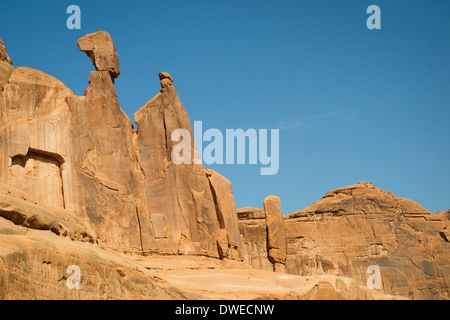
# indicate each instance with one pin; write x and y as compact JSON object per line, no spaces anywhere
{"x":361,"y":198}
{"x":352,"y":228}
{"x":82,"y":154}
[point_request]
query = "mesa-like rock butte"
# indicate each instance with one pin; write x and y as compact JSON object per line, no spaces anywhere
{"x":354,"y":227}
{"x":80,"y":186}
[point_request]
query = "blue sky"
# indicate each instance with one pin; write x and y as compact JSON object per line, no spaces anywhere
{"x":351,"y":104}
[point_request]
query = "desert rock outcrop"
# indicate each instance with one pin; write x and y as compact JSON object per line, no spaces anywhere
{"x":354,"y":227}
{"x":79,"y":185}
{"x":4,"y":54}
{"x":100,"y":48}
{"x":81,"y":154}
{"x":276,"y":233}
{"x":35,"y":264}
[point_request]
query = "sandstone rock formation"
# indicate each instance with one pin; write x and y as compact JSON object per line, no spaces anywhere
{"x":443,"y":213}
{"x":82,"y":154}
{"x":4,"y":54}
{"x":253,"y":229}
{"x":250,"y":213}
{"x":100,"y":48}
{"x":35,"y":261}
{"x":229,"y":240}
{"x":362,"y":198}
{"x":276,"y":233}
{"x":355,"y":227}
{"x":190,"y":206}
{"x":80,"y":186}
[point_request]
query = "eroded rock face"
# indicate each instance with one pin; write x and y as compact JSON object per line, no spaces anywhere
{"x":37,"y":249}
{"x":253,"y":229}
{"x":76,"y":177}
{"x":355,"y":227}
{"x":100,"y":48}
{"x":180,"y":197}
{"x":250,"y":213}
{"x":229,"y":241}
{"x":276,"y":233}
{"x":82,"y":154}
{"x":361,"y":198}
{"x":4,"y":54}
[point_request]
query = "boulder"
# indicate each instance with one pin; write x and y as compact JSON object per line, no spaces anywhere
{"x":100,"y":48}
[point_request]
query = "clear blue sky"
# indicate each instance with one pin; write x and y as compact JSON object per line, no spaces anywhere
{"x":351,"y":104}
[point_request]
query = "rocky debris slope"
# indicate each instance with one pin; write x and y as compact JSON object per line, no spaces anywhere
{"x":352,"y":228}
{"x":82,"y":155}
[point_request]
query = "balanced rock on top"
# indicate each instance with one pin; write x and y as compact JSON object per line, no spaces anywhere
{"x":100,"y":48}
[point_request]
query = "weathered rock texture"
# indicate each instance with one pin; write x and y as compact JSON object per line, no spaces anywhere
{"x":253,"y":229}
{"x":81,"y":154}
{"x":80,"y":186}
{"x":4,"y":54}
{"x":276,"y":233}
{"x":100,"y":48}
{"x":229,"y":240}
{"x":250,"y":213}
{"x":355,"y":227}
{"x":190,"y":207}
{"x":38,"y":244}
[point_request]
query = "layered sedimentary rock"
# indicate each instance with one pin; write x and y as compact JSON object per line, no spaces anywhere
{"x":229,"y":240}
{"x":77,"y":180}
{"x":276,"y":233}
{"x":6,"y":67}
{"x":81,"y":154}
{"x":250,"y":213}
{"x":355,"y":227}
{"x":191,"y":207}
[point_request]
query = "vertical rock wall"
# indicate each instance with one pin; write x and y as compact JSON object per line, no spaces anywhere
{"x":355,"y":227}
{"x":81,"y":153}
